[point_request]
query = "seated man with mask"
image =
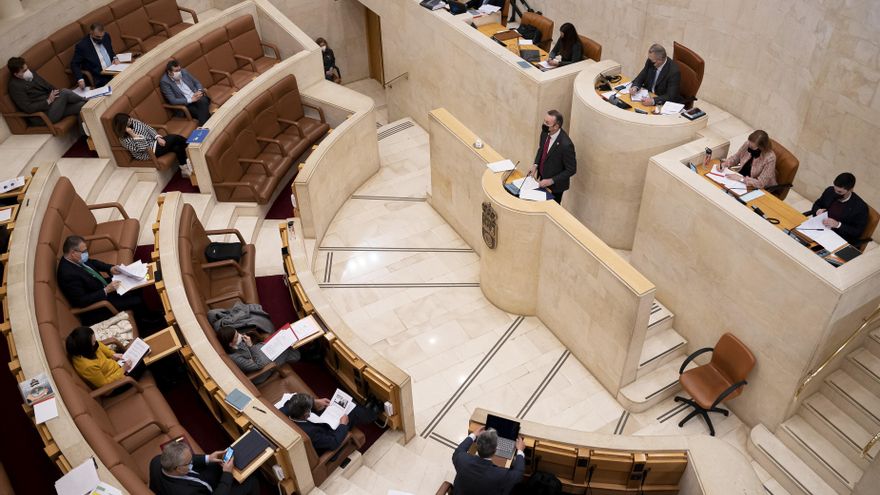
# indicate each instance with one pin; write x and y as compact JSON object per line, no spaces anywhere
{"x":31,"y":94}
{"x":847,"y":212}
{"x":93,"y":54}
{"x":177,"y":471}
{"x":179,"y":87}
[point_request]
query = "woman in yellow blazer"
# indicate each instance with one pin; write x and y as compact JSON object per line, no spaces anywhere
{"x":94,"y":361}
{"x":755,"y":161}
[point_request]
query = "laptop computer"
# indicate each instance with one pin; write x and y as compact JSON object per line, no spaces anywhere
{"x":508,"y":431}
{"x":530,"y":55}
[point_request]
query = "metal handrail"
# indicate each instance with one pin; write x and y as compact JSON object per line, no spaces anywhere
{"x":870,"y":445}
{"x":813,"y":373}
{"x":405,"y":75}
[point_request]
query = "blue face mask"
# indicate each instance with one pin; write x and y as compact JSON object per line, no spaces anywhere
{"x":83,"y":257}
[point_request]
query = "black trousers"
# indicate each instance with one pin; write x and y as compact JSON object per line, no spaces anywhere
{"x":174,"y":143}
{"x":200,"y":110}
{"x":557,"y":196}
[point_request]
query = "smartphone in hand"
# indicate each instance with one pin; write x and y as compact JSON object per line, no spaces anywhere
{"x":228,"y":454}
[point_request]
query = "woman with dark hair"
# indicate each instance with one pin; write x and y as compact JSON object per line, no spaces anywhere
{"x":249,"y":356}
{"x":568,"y":48}
{"x":755,"y":162}
{"x":93,"y":361}
{"x":137,"y":138}
{"x":331,"y":72}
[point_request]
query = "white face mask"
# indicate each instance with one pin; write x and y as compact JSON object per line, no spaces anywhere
{"x":323,"y":48}
{"x":176,"y":76}
{"x":28,"y":75}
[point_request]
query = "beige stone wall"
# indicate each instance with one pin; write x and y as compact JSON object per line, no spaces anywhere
{"x":808,"y":72}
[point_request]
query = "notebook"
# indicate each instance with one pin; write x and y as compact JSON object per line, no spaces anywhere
{"x":237,"y":399}
{"x":247,"y":448}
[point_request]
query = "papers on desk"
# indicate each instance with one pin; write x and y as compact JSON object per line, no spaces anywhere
{"x":526,"y":183}
{"x":671,"y":108}
{"x":46,"y":410}
{"x":525,"y":41}
{"x":89,"y":93}
{"x":543,"y":65}
{"x":501,"y":166}
{"x":132,"y":276}
{"x":305,"y":327}
{"x":105,"y":489}
{"x":533,"y":195}
{"x":751,"y":196}
{"x":278,"y":342}
{"x":488,"y":9}
{"x":135,"y":352}
{"x":79,"y":480}
{"x":340,"y":404}
{"x":5,"y":215}
{"x":116,"y":67}
{"x":11,"y":184}
{"x":609,"y":94}
{"x":735,"y":186}
{"x":125,"y":58}
{"x":641,"y":95}
{"x":818,"y":232}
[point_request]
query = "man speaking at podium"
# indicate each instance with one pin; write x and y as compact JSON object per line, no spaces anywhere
{"x":555,"y":161}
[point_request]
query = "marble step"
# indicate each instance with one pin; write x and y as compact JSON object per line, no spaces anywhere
{"x":818,"y":453}
{"x":22,"y":152}
{"x":341,"y":486}
{"x":88,"y":175}
{"x":789,"y":470}
{"x":854,"y":399}
{"x":355,"y":462}
{"x":662,"y":345}
{"x":872,"y":343}
{"x":660,"y":318}
{"x":652,"y":388}
{"x":140,"y":202}
{"x":370,"y":481}
{"x":771,"y":486}
{"x":418,"y":475}
{"x":268,"y":243}
{"x":201,"y":203}
{"x":117,"y":187}
{"x":841,"y":430}
{"x":381,"y":446}
{"x":864,"y":366}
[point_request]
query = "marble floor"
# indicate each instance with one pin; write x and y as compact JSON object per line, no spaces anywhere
{"x":408,"y":285}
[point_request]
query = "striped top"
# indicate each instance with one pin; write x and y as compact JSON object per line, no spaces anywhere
{"x":138,"y":146}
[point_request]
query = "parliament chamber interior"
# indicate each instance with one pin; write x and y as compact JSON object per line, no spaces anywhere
{"x":311,"y":247}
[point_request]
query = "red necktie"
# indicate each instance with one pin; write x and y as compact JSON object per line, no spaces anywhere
{"x":544,"y":156}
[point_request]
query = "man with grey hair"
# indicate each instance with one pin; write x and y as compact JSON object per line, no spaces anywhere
{"x":477,"y":475}
{"x":178,"y":472}
{"x":324,"y":438}
{"x":660,"y":76}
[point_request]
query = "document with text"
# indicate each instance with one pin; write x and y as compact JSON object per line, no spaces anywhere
{"x":340,"y":404}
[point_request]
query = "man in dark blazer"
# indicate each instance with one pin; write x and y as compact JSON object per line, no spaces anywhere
{"x":555,"y":162}
{"x":82,"y":283}
{"x":659,"y":76}
{"x":179,"y":87}
{"x":847,"y":212}
{"x":323,"y":437}
{"x":93,"y":53}
{"x":477,"y":475}
{"x":31,"y":94}
{"x":177,"y":471}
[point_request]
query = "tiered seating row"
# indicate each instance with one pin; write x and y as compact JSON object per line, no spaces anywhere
{"x":133,"y":25}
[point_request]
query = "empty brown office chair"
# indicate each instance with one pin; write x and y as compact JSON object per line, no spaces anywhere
{"x":691,"y":67}
{"x":719,"y":381}
{"x":445,"y":489}
{"x":592,"y":49}
{"x":542,"y":24}
{"x":786,"y":168}
{"x":865,"y":238}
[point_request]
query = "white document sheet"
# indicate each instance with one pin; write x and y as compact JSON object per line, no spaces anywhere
{"x":527,"y":182}
{"x":89,"y":93}
{"x":284,"y":398}
{"x":46,"y":410}
{"x":305,"y":327}
{"x":281,"y":341}
{"x":751,"y":196}
{"x":11,"y":184}
{"x":5,"y":214}
{"x":544,"y":65}
{"x":815,"y":230}
{"x":533,"y":195}
{"x":641,"y":95}
{"x":132,"y":277}
{"x":608,"y":94}
{"x":525,"y":41}
{"x":125,"y":58}
{"x":737,"y":187}
{"x":488,"y":9}
{"x":671,"y":108}
{"x":340,"y":404}
{"x":79,"y":480}
{"x":501,"y":166}
{"x":116,"y":67}
{"x":138,"y":269}
{"x":135,"y":352}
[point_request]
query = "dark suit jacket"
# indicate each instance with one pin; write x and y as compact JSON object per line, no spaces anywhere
{"x":854,"y":217}
{"x":561,"y":161}
{"x":86,"y":58}
{"x":324,"y":438}
{"x":668,"y":84}
{"x":165,"y":485}
{"x":475,"y":4}
{"x":30,"y":96}
{"x":79,"y":286}
{"x":477,"y":476}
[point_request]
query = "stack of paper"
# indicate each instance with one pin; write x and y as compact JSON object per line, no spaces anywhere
{"x":116,"y":67}
{"x":544,"y":65}
{"x":6,"y":214}
{"x":131,"y":277}
{"x":818,"y":232}
{"x":737,"y":187}
{"x":671,"y":108}
{"x":79,"y":480}
{"x":526,"y":183}
{"x":305,"y":327}
{"x":525,"y":41}
{"x":340,"y":405}
{"x":125,"y":58}
{"x":135,"y":352}
{"x":533,"y":195}
{"x":89,"y":93}
{"x":488,"y":9}
{"x":641,"y":95}
{"x":278,"y":342}
{"x":501,"y":166}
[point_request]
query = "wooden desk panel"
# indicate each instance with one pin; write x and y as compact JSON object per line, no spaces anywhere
{"x":512,"y":43}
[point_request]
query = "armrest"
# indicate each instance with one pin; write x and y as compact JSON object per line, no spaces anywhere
{"x":41,"y":115}
{"x":224,"y":74}
{"x":272,"y":47}
{"x":87,"y":76}
{"x":119,"y":437}
{"x":227,"y":231}
{"x":331,"y":455}
{"x":89,"y":238}
{"x":153,"y":157}
{"x":190,"y":12}
{"x":98,"y":305}
{"x":161,"y":25}
{"x":246,"y":59}
{"x":271,"y":141}
{"x":692,"y":356}
{"x":160,"y":126}
{"x":222,"y":264}
{"x":294,"y":124}
{"x":182,"y":108}
{"x":258,"y":162}
{"x":445,"y":489}
{"x":225,"y":297}
{"x":731,"y":389}
{"x":319,"y":109}
{"x":138,"y":41}
{"x":269,"y":367}
{"x":114,"y":204}
{"x":102,"y":391}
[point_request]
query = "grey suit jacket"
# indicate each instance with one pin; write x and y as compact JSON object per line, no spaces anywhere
{"x":172,"y":93}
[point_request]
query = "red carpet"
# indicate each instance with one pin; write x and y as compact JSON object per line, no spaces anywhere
{"x":181,"y":184}
{"x":80,"y":149}
{"x":282,"y":209}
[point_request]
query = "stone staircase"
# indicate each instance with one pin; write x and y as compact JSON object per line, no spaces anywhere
{"x":662,"y":354}
{"x":817,"y":451}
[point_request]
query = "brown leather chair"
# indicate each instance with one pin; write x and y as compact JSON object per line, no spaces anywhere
{"x":592,"y":50}
{"x":289,"y":105}
{"x":135,"y":26}
{"x":5,"y":485}
{"x":722,"y":379}
{"x":221,"y":59}
{"x":445,"y":489}
{"x":691,"y":67}
{"x":543,"y":24}
{"x":166,"y":18}
{"x":868,"y":233}
{"x":247,"y":46}
{"x":786,"y":168}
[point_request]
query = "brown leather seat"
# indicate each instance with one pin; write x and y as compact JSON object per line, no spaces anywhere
{"x":247,"y":46}
{"x":190,"y":57}
{"x":221,"y":59}
{"x":786,"y":168}
{"x":166,"y":18}
{"x":543,"y":24}
{"x":289,"y":105}
{"x":133,"y":22}
{"x":266,"y":123}
{"x":870,"y":227}
{"x":592,"y":50}
{"x":5,"y":485}
{"x":722,"y":379}
{"x":691,"y":67}
{"x":104,"y":15}
{"x":445,"y":489}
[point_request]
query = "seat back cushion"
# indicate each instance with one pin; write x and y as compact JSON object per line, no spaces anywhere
{"x":104,"y":16}
{"x":288,"y":102}
{"x":592,"y":50}
{"x":690,"y":58}
{"x":243,"y":37}
{"x":263,"y":116}
{"x":218,"y":52}
{"x":164,"y":11}
{"x":132,"y":18}
{"x":733,"y":358}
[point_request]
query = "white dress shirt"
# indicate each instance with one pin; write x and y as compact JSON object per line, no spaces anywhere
{"x":103,"y":56}
{"x":187,"y":93}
